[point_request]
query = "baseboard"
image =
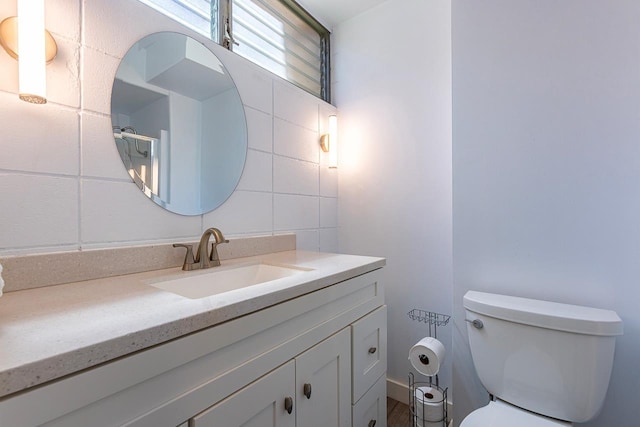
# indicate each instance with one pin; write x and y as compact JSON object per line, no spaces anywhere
{"x":400,"y":392}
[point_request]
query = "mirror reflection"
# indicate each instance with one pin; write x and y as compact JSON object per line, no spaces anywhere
{"x":178,"y":123}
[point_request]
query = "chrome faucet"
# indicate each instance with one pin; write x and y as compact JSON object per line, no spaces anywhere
{"x":204,"y":258}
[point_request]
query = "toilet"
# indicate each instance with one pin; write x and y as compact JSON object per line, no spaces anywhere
{"x":546,"y":364}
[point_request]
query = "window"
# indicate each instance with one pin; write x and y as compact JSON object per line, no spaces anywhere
{"x":276,"y":34}
{"x":195,"y":14}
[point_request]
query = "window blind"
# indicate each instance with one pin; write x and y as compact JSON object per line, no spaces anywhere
{"x":275,"y":34}
{"x":195,"y":14}
{"x":270,"y":34}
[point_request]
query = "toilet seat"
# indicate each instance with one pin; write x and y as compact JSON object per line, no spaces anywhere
{"x":502,"y":414}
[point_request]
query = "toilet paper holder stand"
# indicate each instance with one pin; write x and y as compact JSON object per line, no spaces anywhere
{"x":428,"y":403}
{"x":432,"y":319}
{"x":433,"y":412}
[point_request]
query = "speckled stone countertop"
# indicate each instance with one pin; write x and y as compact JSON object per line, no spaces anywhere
{"x":51,"y":332}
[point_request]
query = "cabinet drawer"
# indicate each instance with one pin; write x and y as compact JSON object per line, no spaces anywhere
{"x":371,"y":410}
{"x":368,"y":351}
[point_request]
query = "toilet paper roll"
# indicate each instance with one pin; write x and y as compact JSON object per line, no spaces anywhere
{"x":425,"y":423}
{"x":1,"y":281}
{"x":429,"y":406}
{"x":427,"y":355}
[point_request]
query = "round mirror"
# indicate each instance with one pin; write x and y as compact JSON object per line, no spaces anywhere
{"x":178,"y":123}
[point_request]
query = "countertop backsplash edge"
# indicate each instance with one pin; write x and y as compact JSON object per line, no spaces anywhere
{"x":40,"y":270}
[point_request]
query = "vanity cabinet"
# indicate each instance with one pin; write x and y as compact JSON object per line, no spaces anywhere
{"x":238,"y":373}
{"x":307,"y":391}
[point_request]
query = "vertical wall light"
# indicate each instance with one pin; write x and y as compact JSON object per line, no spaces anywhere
{"x":25,"y":38}
{"x":329,"y":142}
{"x":31,"y":52}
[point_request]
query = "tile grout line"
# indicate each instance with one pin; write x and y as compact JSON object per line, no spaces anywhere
{"x":273,"y":173}
{"x":81,"y":70}
{"x":319,"y":158}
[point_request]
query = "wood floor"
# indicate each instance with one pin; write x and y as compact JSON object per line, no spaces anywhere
{"x":398,"y":414}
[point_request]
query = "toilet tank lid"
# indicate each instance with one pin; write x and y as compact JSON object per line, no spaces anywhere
{"x":545,"y":314}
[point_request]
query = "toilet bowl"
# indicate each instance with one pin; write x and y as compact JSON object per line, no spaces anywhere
{"x":501,"y":414}
{"x":546,"y":364}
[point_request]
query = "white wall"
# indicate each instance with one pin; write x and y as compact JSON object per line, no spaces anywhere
{"x":392,"y":72}
{"x":63,"y":186}
{"x":546,"y":160}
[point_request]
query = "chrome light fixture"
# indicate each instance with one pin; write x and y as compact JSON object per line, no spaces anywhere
{"x":329,"y":141}
{"x":25,"y":39}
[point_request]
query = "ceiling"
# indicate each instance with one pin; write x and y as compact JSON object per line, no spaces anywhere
{"x":332,"y":12}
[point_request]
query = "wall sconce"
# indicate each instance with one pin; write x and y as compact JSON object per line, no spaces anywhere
{"x":25,"y":39}
{"x":329,"y":142}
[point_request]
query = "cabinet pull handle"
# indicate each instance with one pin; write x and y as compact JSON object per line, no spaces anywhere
{"x":372,"y":350}
{"x":372,"y":423}
{"x":288,"y":404}
{"x":307,"y":390}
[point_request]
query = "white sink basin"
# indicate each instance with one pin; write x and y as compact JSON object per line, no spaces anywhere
{"x":214,"y":281}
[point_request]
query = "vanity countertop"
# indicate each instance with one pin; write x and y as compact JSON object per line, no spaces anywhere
{"x":48,"y":333}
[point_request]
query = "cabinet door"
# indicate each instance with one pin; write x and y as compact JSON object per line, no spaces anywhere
{"x":323,"y":383}
{"x":260,"y":404}
{"x":369,"y":351}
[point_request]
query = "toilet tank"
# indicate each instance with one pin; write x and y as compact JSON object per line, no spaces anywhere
{"x":549,"y":358}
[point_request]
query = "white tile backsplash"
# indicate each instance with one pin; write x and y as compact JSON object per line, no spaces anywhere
{"x":63,"y":85}
{"x":9,"y":67}
{"x":328,"y":212}
{"x":10,"y":8}
{"x":307,"y":240}
{"x":254,"y":84}
{"x":292,"y":212}
{"x":42,"y":139}
{"x":329,"y":240}
{"x":294,"y":141}
{"x":258,"y":172}
{"x":37,"y":210}
{"x":295,"y":106}
{"x":119,"y":212}
{"x":259,"y":129}
{"x":328,"y":181}
{"x":63,"y":184}
{"x":114,"y":26}
{"x":98,"y":72}
{"x":244,"y":212}
{"x":62,"y":17}
{"x":295,"y":176}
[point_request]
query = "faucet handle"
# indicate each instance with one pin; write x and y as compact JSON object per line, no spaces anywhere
{"x":189,"y":261}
